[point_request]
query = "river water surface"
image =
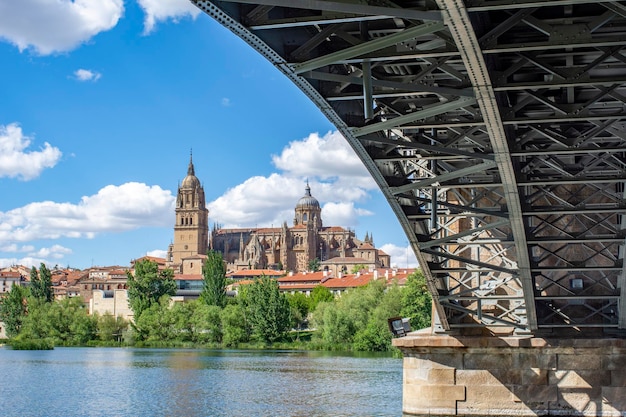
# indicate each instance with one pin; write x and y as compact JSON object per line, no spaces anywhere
{"x":127,"y":382}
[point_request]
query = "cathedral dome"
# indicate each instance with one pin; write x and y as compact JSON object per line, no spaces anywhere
{"x":190,"y":181}
{"x":308,"y":201}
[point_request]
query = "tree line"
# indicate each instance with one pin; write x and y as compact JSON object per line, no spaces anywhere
{"x":260,"y":314}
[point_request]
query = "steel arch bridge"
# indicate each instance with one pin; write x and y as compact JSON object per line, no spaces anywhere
{"x":496,"y":131}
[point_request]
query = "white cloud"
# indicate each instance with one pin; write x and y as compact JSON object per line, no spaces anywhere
{"x":248,"y":205}
{"x":401,"y":257}
{"x":327,"y":157}
{"x":55,"y":251}
{"x":157,"y":253}
{"x":344,"y":214}
{"x":16,"y":162}
{"x":26,"y":261}
{"x":49,"y":26}
{"x":113,"y":209}
{"x":256,"y":202}
{"x":86,"y":75}
{"x":13,"y":248}
{"x":162,"y":10}
{"x":225,"y":102}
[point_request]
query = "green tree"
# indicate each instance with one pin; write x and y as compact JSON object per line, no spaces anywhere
{"x":214,"y":275}
{"x":299,"y":304}
{"x":375,"y":336}
{"x":68,"y":322}
{"x":314,"y":265}
{"x":235,"y":327}
{"x":357,"y":268}
{"x":318,"y":294}
{"x":41,"y":283}
{"x":36,"y":324}
{"x":358,"y":319}
{"x":148,"y":285}
{"x":206,"y":324}
{"x":13,"y":309}
{"x":157,"y":322}
{"x":111,"y":328}
{"x":268,"y":309}
{"x":417,"y":301}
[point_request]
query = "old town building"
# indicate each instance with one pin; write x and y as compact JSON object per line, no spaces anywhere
{"x":288,"y":248}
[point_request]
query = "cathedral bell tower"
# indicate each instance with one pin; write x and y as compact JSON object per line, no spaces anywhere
{"x":191,"y":230}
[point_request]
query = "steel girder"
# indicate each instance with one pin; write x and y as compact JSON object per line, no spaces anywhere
{"x":495,"y":130}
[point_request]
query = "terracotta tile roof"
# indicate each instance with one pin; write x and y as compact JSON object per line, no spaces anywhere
{"x":74,"y":276}
{"x":10,"y":274}
{"x":383,"y":253}
{"x":303,"y":277}
{"x":333,"y":229}
{"x":349,"y":281}
{"x":242,"y":282}
{"x":366,"y":245}
{"x":160,"y":261}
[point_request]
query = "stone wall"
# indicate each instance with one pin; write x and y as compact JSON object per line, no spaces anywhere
{"x":513,"y":376}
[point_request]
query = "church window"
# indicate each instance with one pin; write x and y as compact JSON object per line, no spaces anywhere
{"x":191,"y":221}
{"x":304,"y":217}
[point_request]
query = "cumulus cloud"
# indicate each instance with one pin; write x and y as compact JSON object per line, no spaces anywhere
{"x":113,"y":209}
{"x":13,"y":248}
{"x":27,"y":261}
{"x":343,"y":182}
{"x":157,"y":253}
{"x":345,"y":214}
{"x":49,"y":26}
{"x":15,"y":161}
{"x":162,"y":10}
{"x":248,"y":204}
{"x":55,"y":252}
{"x":401,"y":257}
{"x":326,"y":157}
{"x":86,"y":75}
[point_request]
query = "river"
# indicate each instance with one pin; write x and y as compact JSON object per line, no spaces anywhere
{"x":120,"y":382}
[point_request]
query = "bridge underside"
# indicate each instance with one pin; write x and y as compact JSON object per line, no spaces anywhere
{"x":496,"y":131}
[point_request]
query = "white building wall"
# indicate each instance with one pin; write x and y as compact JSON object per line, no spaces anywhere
{"x":117,"y":305}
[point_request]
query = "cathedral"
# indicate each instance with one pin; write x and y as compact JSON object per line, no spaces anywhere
{"x":289,"y":248}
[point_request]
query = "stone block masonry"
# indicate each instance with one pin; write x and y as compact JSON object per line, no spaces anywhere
{"x":473,"y":376}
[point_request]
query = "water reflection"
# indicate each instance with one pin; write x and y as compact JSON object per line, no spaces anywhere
{"x":164,"y":382}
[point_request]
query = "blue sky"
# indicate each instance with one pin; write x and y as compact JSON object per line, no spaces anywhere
{"x":101,"y":103}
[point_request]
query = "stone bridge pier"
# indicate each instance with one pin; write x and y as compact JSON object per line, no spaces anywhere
{"x":446,"y":375}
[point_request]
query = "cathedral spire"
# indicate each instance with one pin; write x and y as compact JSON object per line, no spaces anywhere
{"x":190,"y":170}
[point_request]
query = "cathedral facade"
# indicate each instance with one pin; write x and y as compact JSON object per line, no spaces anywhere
{"x":289,"y":248}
